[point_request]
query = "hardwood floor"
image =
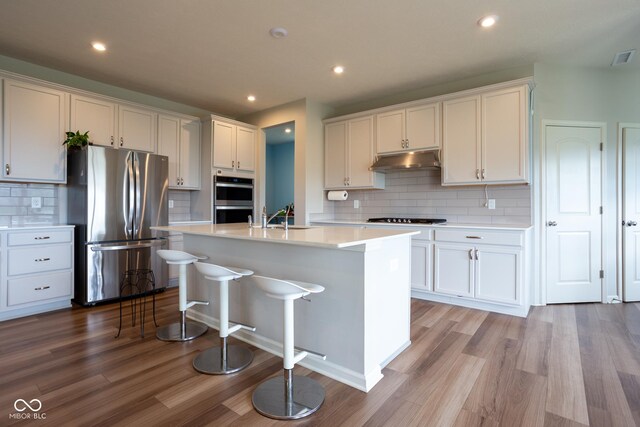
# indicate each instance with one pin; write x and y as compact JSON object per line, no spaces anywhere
{"x":565,"y":365}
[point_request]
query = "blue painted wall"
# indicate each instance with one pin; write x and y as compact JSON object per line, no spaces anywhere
{"x":279,"y":176}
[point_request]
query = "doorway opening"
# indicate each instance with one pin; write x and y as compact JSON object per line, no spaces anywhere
{"x":279,"y":168}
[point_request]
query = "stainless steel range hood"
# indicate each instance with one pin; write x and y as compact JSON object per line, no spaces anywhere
{"x":411,"y":160}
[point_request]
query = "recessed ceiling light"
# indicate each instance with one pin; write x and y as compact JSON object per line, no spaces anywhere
{"x":338,"y":69}
{"x":278,"y":32}
{"x":99,"y":46}
{"x":488,"y":21}
{"x":251,"y":98}
{"x":287,"y":130}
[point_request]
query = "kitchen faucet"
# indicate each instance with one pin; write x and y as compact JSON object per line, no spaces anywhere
{"x":286,"y":217}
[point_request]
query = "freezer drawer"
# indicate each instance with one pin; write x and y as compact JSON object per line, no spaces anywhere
{"x":105,"y":265}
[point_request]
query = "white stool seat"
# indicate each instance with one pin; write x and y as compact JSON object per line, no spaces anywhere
{"x":225,"y":358}
{"x":178,"y":257}
{"x":220,"y":273}
{"x":286,"y":289}
{"x":183,"y":330}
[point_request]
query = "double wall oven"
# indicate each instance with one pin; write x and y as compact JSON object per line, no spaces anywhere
{"x":232,"y":199}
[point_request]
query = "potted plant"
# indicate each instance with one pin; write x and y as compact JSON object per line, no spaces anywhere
{"x":76,"y":140}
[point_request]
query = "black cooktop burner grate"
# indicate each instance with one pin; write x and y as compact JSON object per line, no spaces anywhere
{"x":396,"y":220}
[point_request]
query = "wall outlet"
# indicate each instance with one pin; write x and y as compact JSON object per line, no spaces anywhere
{"x":491,"y":204}
{"x":356,"y":204}
{"x":36,"y":202}
{"x":170,"y":204}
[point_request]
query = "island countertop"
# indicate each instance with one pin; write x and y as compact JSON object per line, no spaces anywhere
{"x":323,"y":237}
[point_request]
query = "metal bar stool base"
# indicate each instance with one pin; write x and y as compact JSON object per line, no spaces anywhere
{"x":210,"y":360}
{"x":172,"y":332}
{"x":269,"y":398}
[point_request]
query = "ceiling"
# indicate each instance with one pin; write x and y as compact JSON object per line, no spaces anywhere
{"x":278,"y":135}
{"x":211,"y":54}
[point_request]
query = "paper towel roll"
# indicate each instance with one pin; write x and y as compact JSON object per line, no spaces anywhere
{"x":337,"y":195}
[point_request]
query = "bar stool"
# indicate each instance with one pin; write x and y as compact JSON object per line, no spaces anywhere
{"x":183,"y":330}
{"x":225,"y":359}
{"x":290,"y":396}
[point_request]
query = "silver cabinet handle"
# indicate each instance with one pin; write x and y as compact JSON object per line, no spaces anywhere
{"x":112,"y":139}
{"x":181,"y":181}
{"x":631,"y":224}
{"x":476,"y":254}
{"x":238,"y":164}
{"x":41,"y":288}
{"x":233,"y":163}
{"x":406,"y":143}
{"x":121,"y":141}
{"x":471,"y":254}
{"x":177,"y":181}
{"x":473,"y":237}
{"x":348,"y":180}
{"x":552,"y":223}
{"x":482,"y":173}
{"x":477,"y":173}
{"x":42,"y":259}
{"x":41,"y":238}
{"x":7,"y":169}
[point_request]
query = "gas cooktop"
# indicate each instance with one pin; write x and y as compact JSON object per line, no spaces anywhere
{"x":408,"y":220}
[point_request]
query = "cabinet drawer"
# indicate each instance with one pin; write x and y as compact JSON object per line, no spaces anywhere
{"x":38,"y":288}
{"x":38,"y":259}
{"x":38,"y":237}
{"x":510,"y":238}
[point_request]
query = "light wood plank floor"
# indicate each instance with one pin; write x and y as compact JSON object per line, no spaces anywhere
{"x":565,"y":365}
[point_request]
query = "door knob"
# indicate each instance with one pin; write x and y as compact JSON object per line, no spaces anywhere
{"x":552,"y":223}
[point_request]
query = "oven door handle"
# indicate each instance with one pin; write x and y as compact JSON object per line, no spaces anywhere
{"x":226,"y":184}
{"x":125,"y":246}
{"x":227,"y":208}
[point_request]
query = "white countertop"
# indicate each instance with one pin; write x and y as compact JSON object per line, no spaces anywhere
{"x":33,"y":227}
{"x":326,"y":237}
{"x":519,"y":227}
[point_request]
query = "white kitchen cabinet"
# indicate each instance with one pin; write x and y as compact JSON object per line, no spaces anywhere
{"x":234,"y":147}
{"x":34,"y":129}
{"x":483,"y":265}
{"x":179,"y":139}
{"x":114,"y":125}
{"x":349,"y":152}
{"x":97,"y":116}
{"x":37,"y":270}
{"x":410,"y":129}
{"x":136,"y":128}
{"x":485,"y":138}
{"x":422,"y":261}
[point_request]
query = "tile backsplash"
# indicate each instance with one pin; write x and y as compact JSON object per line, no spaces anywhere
{"x":181,"y":205}
{"x":15,"y":204}
{"x":418,"y":193}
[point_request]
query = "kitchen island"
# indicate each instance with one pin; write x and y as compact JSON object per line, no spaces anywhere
{"x":361,"y":321}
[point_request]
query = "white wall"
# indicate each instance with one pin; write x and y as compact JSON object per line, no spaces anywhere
{"x":597,"y":95}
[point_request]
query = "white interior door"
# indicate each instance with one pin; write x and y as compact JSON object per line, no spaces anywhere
{"x":631,"y":214}
{"x":573,"y":219}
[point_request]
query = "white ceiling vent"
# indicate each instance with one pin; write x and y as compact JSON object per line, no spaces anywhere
{"x":623,"y":57}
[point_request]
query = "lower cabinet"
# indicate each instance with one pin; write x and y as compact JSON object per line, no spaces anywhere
{"x":37,"y":270}
{"x":421,"y":261}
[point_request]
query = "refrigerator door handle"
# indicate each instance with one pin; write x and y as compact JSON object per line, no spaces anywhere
{"x":128,"y":197}
{"x":126,"y":246}
{"x":138,"y":215}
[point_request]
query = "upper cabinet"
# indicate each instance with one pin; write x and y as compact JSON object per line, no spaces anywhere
{"x":35,"y":120}
{"x":410,"y":129}
{"x":234,"y":147}
{"x":349,"y":151}
{"x":179,"y":139}
{"x":114,"y":125}
{"x":485,"y":138}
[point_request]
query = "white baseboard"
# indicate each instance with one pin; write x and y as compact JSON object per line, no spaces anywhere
{"x":520,"y":311}
{"x":363,"y":382}
{"x":34,"y":309}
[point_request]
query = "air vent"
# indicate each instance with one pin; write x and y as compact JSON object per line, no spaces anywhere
{"x":623,"y":57}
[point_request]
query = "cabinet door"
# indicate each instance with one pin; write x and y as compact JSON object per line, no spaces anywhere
{"x":421,"y":268}
{"x":390,"y":131}
{"x":453,"y":269}
{"x":168,"y":145}
{"x":360,"y":154}
{"x":245,"y":149}
{"x":224,"y":136}
{"x":504,"y":136}
{"x":190,"y":154}
{"x":461,"y":141}
{"x":137,"y":129}
{"x":499,"y":274}
{"x":423,"y":127}
{"x":96,"y":116}
{"x":335,"y":155}
{"x":34,"y":128}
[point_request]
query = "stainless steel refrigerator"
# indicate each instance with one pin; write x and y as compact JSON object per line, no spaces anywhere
{"x":114,"y":197}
